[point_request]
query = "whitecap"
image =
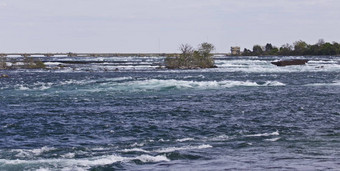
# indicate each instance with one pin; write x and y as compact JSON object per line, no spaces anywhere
{"x":153,"y":84}
{"x":274,"y":83}
{"x":162,"y":140}
{"x":68,"y":155}
{"x":185,"y":139}
{"x":273,"y":139}
{"x":99,"y":149}
{"x":32,"y":152}
{"x":190,"y":76}
{"x":276,"y":133}
{"x":42,"y":150}
{"x":135,"y":150}
{"x":220,"y":138}
{"x":171,"y":149}
{"x":85,"y":162}
{"x":22,"y":87}
{"x":137,"y":144}
{"x":53,"y":63}
{"x":148,"y":158}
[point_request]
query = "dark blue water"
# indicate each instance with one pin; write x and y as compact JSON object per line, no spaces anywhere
{"x":245,"y":115}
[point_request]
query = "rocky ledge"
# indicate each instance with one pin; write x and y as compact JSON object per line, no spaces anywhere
{"x":290,"y":62}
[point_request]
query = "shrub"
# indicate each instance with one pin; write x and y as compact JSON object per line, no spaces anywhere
{"x":3,"y":62}
{"x":192,"y":59}
{"x":30,"y":63}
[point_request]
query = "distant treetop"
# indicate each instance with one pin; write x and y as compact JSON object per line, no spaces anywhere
{"x":299,"y":48}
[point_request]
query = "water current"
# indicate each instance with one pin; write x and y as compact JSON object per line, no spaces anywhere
{"x":126,"y":113}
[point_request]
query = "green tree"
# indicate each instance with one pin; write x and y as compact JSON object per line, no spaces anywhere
{"x":313,"y":50}
{"x":274,"y":51}
{"x":246,"y":52}
{"x":257,"y":50}
{"x":337,"y":47}
{"x":286,"y":49}
{"x":300,"y":47}
{"x":268,"y":47}
{"x":206,"y":48}
{"x":328,"y":49}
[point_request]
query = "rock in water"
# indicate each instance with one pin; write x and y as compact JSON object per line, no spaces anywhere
{"x":4,"y":76}
{"x":290,"y":62}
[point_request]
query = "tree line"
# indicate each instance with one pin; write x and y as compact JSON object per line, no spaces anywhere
{"x":299,"y":48}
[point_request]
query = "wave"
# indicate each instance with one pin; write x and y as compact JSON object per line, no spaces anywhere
{"x":276,"y":133}
{"x":68,"y":155}
{"x":137,"y":144}
{"x":135,"y":150}
{"x":334,"y":83}
{"x":171,"y":149}
{"x":84,"y":162}
{"x":47,"y":85}
{"x":273,"y":139}
{"x":181,"y":84}
{"x":220,"y":138}
{"x":130,"y":84}
{"x":265,"y":66}
{"x":32,"y":152}
{"x":185,"y":139}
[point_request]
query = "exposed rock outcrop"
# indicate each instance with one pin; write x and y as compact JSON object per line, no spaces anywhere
{"x":3,"y":76}
{"x":291,"y":62}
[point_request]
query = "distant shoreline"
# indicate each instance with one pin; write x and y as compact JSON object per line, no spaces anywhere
{"x":128,"y":55}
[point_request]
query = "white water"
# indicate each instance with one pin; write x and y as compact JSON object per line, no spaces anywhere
{"x":276,"y":133}
{"x":83,"y":163}
{"x":171,"y":149}
{"x":128,"y":83}
{"x":261,"y":66}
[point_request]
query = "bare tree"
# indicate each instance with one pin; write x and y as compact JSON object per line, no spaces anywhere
{"x":186,"y":49}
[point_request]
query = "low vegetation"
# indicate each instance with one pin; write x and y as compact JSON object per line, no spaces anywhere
{"x":191,"y":58}
{"x":3,"y":62}
{"x":299,"y":48}
{"x":26,"y":63}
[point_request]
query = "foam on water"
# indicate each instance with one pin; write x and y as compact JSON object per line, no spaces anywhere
{"x":137,"y":145}
{"x":171,"y":149}
{"x":181,"y":84}
{"x":273,"y":139}
{"x":148,"y":158}
{"x":264,"y":66}
{"x":276,"y":133}
{"x":48,"y":85}
{"x":32,"y":152}
{"x":135,"y":150}
{"x":130,"y":84}
{"x":162,"y":140}
{"x":84,"y":162}
{"x":68,"y":155}
{"x":185,"y":139}
{"x":53,"y":63}
{"x":334,"y":83}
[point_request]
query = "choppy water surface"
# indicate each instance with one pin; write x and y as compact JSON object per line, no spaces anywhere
{"x":246,"y":115}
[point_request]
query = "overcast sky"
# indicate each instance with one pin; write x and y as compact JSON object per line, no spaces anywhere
{"x":162,"y":25}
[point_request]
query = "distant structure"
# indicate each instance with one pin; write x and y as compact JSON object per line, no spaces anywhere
{"x":235,"y":50}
